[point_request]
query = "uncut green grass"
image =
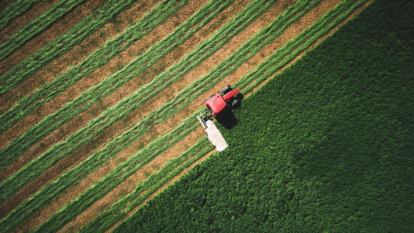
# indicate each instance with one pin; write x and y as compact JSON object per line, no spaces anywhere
{"x":36,"y":26}
{"x":324,"y":146}
{"x":122,"y":109}
{"x":14,"y":10}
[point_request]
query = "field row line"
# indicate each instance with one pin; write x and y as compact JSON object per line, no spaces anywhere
{"x":265,"y":34}
{"x":132,"y":102}
{"x":36,"y":26}
{"x":101,"y":56}
{"x":259,"y":77}
{"x":14,"y":10}
{"x":142,"y":128}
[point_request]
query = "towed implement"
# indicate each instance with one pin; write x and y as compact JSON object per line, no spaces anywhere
{"x":216,"y":104}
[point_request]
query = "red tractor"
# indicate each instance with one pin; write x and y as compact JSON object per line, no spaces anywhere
{"x":218,"y":102}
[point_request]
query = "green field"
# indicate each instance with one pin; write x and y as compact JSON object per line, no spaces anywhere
{"x":101,"y":118}
{"x":325,"y":146}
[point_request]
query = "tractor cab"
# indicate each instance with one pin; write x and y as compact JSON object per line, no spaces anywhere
{"x":217,"y":103}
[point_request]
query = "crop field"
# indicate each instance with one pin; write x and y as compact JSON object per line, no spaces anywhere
{"x":324,"y":146}
{"x":99,"y":97}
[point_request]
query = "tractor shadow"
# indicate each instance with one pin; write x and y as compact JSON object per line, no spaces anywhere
{"x":227,"y":117}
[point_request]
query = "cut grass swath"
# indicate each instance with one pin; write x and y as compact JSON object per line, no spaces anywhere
{"x":62,"y":44}
{"x":14,"y":10}
{"x":158,"y":15}
{"x":113,"y":114}
{"x":113,"y":179}
{"x":73,"y":176}
{"x":36,"y":26}
{"x":125,"y":205}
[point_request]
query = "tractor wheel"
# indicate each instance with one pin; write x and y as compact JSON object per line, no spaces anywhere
{"x":225,"y":89}
{"x":208,"y":98}
{"x":234,"y":103}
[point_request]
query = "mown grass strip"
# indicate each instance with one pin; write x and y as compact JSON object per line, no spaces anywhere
{"x":14,"y":10}
{"x":73,"y":176}
{"x":156,"y":16}
{"x":125,"y":205}
{"x":60,"y":46}
{"x":36,"y":26}
{"x":297,"y":45}
{"x":113,"y":82}
{"x":112,"y":180}
{"x":98,"y":158}
{"x":122,"y":109}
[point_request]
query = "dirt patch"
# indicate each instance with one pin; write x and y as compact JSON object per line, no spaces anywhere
{"x":76,"y":55}
{"x":57,"y":28}
{"x":37,"y":9}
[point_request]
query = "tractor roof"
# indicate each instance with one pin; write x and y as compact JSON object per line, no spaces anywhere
{"x":216,"y":103}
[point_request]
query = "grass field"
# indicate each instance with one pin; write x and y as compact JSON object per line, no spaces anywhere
{"x":98,"y":98}
{"x":325,"y":146}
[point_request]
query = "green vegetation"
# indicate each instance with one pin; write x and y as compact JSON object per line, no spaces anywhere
{"x":65,"y":42}
{"x":36,"y":26}
{"x":127,"y":105}
{"x":324,"y":146}
{"x":264,"y":37}
{"x":14,"y":10}
{"x":61,"y":45}
{"x":120,"y":174}
{"x":125,"y":205}
{"x":105,"y":185}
